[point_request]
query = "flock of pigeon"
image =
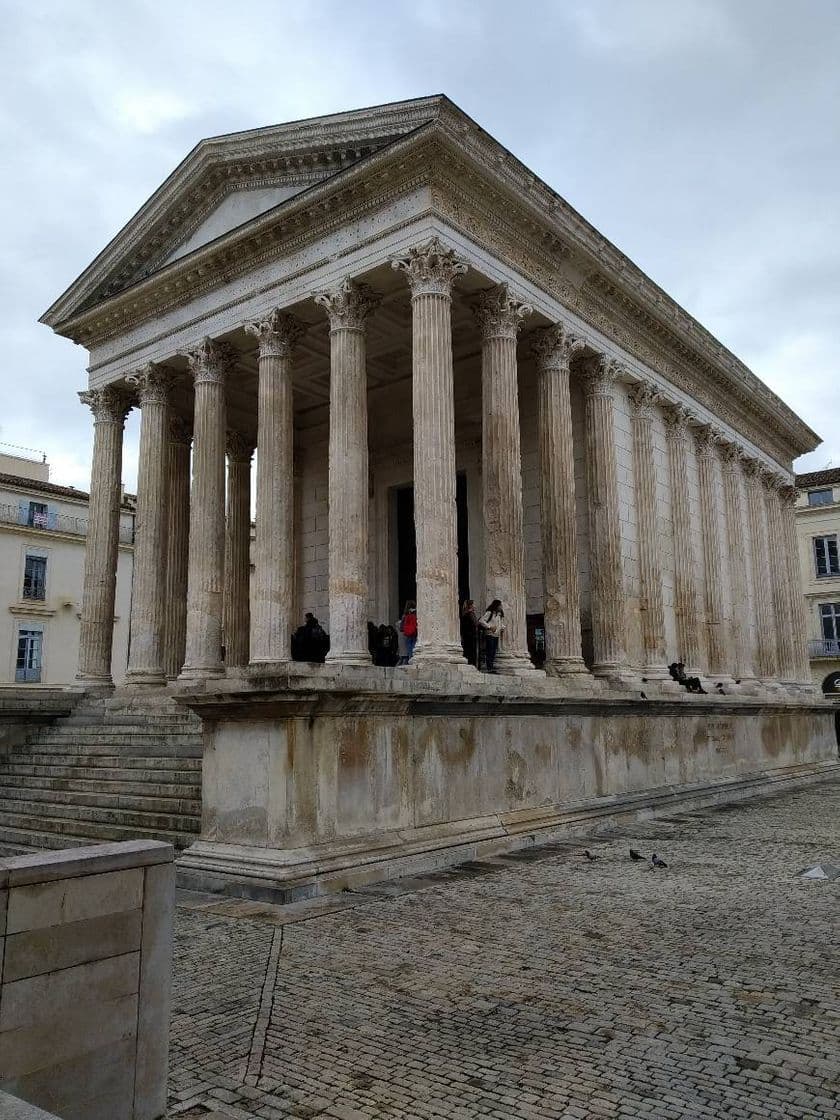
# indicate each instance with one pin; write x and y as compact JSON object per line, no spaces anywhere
{"x":653,"y":863}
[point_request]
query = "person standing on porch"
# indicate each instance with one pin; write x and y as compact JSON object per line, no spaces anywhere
{"x":492,"y":622}
{"x":408,"y":632}
{"x":469,"y":632}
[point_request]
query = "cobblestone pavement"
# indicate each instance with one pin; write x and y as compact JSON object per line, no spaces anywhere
{"x":548,"y":987}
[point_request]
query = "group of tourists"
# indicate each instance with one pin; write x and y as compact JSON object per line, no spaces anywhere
{"x":394,"y":645}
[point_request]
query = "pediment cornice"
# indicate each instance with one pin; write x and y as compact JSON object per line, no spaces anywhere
{"x":486,"y":192}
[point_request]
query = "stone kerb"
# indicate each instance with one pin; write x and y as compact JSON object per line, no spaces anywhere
{"x":86,"y":952}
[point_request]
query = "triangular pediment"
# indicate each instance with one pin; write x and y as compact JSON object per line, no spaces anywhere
{"x":229,"y":180}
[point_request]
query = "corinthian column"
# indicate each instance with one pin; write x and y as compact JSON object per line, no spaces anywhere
{"x":209,"y":365}
{"x":348,"y":306}
{"x":715,"y":621}
{"x":500,"y":316}
{"x":109,"y":406}
{"x":766,"y":663}
{"x":237,"y":608}
{"x":177,"y":545}
{"x":643,"y":401}
{"x":553,"y":349}
{"x":271,"y":622}
{"x":737,"y":560}
{"x":677,"y":421}
{"x":607,"y":582}
{"x":799,"y":618}
{"x":430,"y":270}
{"x":779,"y":577}
{"x":145,"y":660}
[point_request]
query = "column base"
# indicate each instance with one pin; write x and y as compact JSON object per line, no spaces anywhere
{"x":659,"y":682}
{"x":201,"y":672}
{"x":516,"y":665}
{"x":150,"y":678}
{"x":433,"y":655}
{"x":268,"y":667}
{"x":566,"y":667}
{"x":619,"y":677}
{"x":349,"y":657}
{"x":94,"y":684}
{"x":748,"y":686}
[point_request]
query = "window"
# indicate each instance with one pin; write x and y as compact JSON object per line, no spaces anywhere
{"x":35,"y":577}
{"x":28,"y":666}
{"x":38,"y":515}
{"x":820,"y":497}
{"x":825,"y":556}
{"x":830,"y":621}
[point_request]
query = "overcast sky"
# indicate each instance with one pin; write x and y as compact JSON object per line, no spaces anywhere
{"x":701,"y":136}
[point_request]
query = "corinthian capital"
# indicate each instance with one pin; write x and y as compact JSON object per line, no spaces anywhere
{"x":348,"y":305}
{"x":240,"y":448}
{"x":211,"y":361}
{"x":644,"y":399}
{"x":110,"y":405}
{"x":180,"y":429}
{"x":599,"y":375}
{"x":152,"y":384}
{"x":277,"y":334}
{"x":498,"y":313}
{"x":752,"y":469}
{"x":678,"y":420}
{"x":789,"y":493}
{"x":554,"y":347}
{"x":706,"y":440}
{"x":430,"y":269}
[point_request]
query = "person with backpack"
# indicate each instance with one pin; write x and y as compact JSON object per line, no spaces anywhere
{"x":408,"y":631}
{"x":492,"y":623}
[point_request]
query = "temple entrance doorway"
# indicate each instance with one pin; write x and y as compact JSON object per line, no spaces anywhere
{"x":406,"y":544}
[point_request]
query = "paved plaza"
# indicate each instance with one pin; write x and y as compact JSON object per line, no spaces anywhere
{"x":543,"y":986}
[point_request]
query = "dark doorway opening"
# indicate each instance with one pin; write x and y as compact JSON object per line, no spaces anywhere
{"x":407,"y":543}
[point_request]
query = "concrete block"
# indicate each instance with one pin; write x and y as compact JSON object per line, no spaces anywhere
{"x":27,"y":1002}
{"x":34,"y":952}
{"x":80,"y":1085}
{"x":155,"y":993}
{"x":70,"y":1033}
{"x":42,"y":867}
{"x":38,"y":905}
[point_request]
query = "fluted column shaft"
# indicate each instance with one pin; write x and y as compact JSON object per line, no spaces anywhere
{"x":798,"y":615}
{"x":553,"y":349}
{"x":643,"y":401}
{"x":237,"y":607}
{"x":148,"y":604}
{"x":96,"y":635}
{"x":685,"y":583}
{"x":430,"y":270}
{"x":737,"y":560}
{"x":766,"y":663}
{"x":209,"y":364}
{"x":607,"y":582}
{"x":499,"y":317}
{"x":271,"y":622}
{"x":177,"y":546}
{"x":348,"y":306}
{"x":779,"y":576}
{"x":713,"y":582}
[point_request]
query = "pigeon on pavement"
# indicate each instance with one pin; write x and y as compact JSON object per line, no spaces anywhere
{"x":589,"y":854}
{"x":657,"y":862}
{"x":635,"y":855}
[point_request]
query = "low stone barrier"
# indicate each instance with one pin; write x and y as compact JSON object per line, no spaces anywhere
{"x":86,"y":952}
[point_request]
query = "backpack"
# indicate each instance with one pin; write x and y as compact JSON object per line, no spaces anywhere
{"x":409,"y":625}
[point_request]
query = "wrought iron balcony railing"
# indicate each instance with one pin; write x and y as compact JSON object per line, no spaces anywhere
{"x":824,"y":647}
{"x":56,"y":522}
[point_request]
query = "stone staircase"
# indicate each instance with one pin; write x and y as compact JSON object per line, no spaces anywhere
{"x":113,"y":769}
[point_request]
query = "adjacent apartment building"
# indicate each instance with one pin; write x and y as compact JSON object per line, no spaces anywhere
{"x":818,"y":531}
{"x":43,"y":530}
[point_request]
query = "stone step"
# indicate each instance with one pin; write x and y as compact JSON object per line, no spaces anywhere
{"x":125,"y":771}
{"x":94,"y":738}
{"x":127,"y":818}
{"x":35,"y":834}
{"x":103,"y":799}
{"x":123,"y":786}
{"x":97,"y":760}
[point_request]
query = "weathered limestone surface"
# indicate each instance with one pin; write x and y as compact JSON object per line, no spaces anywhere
{"x":86,"y":945}
{"x":209,"y":365}
{"x":430,"y":270}
{"x":237,"y":610}
{"x":717,"y":638}
{"x":110,"y":407}
{"x":737,"y":561}
{"x":766,"y":662}
{"x":779,"y":572}
{"x":148,"y":605}
{"x":177,"y":545}
{"x":273,"y":585}
{"x":348,"y":307}
{"x":799,"y":619}
{"x":500,"y":317}
{"x":553,"y":349}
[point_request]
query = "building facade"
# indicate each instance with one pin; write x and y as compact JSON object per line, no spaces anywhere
{"x":818,"y":534}
{"x":456,"y":388}
{"x":43,"y":533}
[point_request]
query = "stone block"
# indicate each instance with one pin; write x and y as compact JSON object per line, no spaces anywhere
{"x":155,"y":993}
{"x":38,"y":905}
{"x":12,"y":1108}
{"x":28,"y":1002}
{"x":34,"y":952}
{"x":84,"y":1085}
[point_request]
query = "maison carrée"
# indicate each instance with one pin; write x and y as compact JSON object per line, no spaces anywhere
{"x":431,"y":379}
